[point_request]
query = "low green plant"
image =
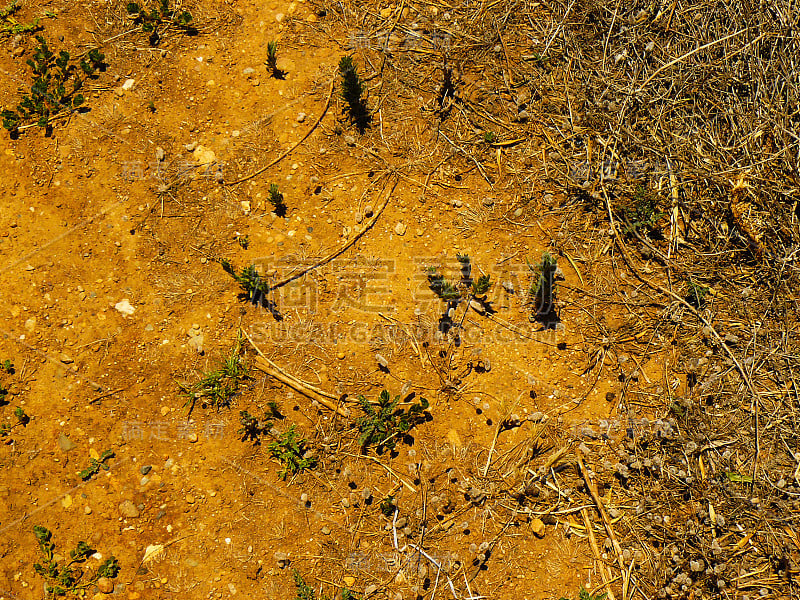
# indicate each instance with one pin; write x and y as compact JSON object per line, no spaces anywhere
{"x":276,"y":199}
{"x":303,"y":591}
{"x":467,"y":291}
{"x":70,"y":578}
{"x":8,"y":367}
{"x":696,"y":295}
{"x":9,"y":25}
{"x":542,"y":290}
{"x":583,"y":594}
{"x":292,"y":453}
{"x":249,"y":280}
{"x":353,"y":94}
{"x":640,"y":212}
{"x":253,"y":428}
{"x":57,"y":81}
{"x":382,"y":424}
{"x":272,"y":61}
{"x":388,"y":506}
{"x":489,"y":137}
{"x":219,"y":386}
{"x":95,"y":465}
{"x":158,"y":20}
{"x":22,"y":419}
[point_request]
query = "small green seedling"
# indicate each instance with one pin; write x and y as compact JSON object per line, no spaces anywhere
{"x":22,"y":419}
{"x":159,"y":20}
{"x":640,"y":213}
{"x":388,"y":506}
{"x":8,"y":367}
{"x":489,"y":137}
{"x":70,"y":578}
{"x":219,"y":386}
{"x":276,"y":199}
{"x":306,"y":592}
{"x":253,"y":429}
{"x":95,"y":465}
{"x":383,"y":424}
{"x":9,"y":25}
{"x":542,"y":290}
{"x":583,"y":594}
{"x":468,"y":291}
{"x":292,"y":454}
{"x":250,"y":281}
{"x":272,"y":61}
{"x":244,"y":241}
{"x":697,"y":293}
{"x":57,"y":80}
{"x":353,"y":94}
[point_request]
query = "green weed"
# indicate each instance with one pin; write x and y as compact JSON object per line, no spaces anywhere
{"x":22,"y":419}
{"x":218,"y":387}
{"x":8,"y":367}
{"x":583,"y":594}
{"x":276,"y":199}
{"x":489,"y":137}
{"x":95,"y":465}
{"x":9,"y":25}
{"x":697,"y":293}
{"x":467,"y":291}
{"x":160,"y":19}
{"x":353,"y":94}
{"x":250,"y":281}
{"x":381,"y":425}
{"x":69,"y":578}
{"x":57,"y":81}
{"x":291,"y":453}
{"x":640,"y":212}
{"x":253,"y":428}
{"x":306,"y":592}
{"x":388,"y":506}
{"x":542,"y":291}
{"x":272,"y":61}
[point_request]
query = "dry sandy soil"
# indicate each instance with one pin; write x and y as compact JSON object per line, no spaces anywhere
{"x":114,"y":301}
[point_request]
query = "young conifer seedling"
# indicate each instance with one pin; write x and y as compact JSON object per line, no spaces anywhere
{"x":353,"y":94}
{"x":272,"y":61}
{"x":542,"y":292}
{"x":276,"y":199}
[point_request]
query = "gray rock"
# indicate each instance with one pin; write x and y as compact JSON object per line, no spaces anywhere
{"x":65,"y":443}
{"x":128,"y":510}
{"x":145,"y":469}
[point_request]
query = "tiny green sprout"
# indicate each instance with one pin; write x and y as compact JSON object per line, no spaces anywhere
{"x":252,"y":428}
{"x":160,"y":20}
{"x":276,"y":199}
{"x":440,"y":286}
{"x":387,"y":506}
{"x":250,"y":281}
{"x":218,"y":387}
{"x":68,"y":577}
{"x":22,"y":420}
{"x":353,"y":94}
{"x":489,"y":137}
{"x":244,"y":241}
{"x":9,"y":25}
{"x":272,"y":60}
{"x":542,"y":290}
{"x":292,"y":454}
{"x":697,"y":293}
{"x":381,"y":426}
{"x":95,"y":465}
{"x":151,"y":106}
{"x":54,"y":92}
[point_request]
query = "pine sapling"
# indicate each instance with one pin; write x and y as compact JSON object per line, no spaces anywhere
{"x":353,"y":94}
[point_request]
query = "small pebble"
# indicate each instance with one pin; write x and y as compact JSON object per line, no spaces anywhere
{"x":400,"y":229}
{"x":189,"y":499}
{"x":301,"y":117}
{"x":326,"y":530}
{"x":145,"y":469}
